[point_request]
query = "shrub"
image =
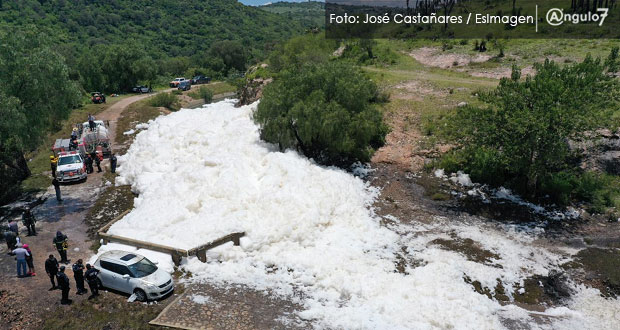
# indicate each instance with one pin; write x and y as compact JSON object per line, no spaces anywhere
{"x":326,"y":111}
{"x":205,"y":94}
{"x":519,"y":138}
{"x":166,"y":100}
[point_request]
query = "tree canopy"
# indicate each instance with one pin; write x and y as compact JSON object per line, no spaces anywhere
{"x":521,"y":137}
{"x":111,"y":45}
{"x":36,"y":93}
{"x":325,"y":111}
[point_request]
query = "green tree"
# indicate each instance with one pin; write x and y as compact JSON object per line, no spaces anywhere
{"x":520,"y":138}
{"x":36,"y":94}
{"x":205,"y":94}
{"x":326,"y":111}
{"x":227,"y":55}
{"x":309,"y":48}
{"x":123,"y":66}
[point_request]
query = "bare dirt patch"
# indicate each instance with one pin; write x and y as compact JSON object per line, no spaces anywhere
{"x":431,"y":56}
{"x":497,"y":73}
{"x":415,"y":90}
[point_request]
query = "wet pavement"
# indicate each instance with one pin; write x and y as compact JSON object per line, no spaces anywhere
{"x":52,"y":216}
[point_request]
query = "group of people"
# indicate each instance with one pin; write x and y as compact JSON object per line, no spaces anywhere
{"x":21,"y":251}
{"x":57,"y":273}
{"x":90,"y":158}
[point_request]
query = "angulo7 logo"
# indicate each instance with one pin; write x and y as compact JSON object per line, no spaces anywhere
{"x":556,"y":17}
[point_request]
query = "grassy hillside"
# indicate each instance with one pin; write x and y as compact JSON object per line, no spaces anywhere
{"x":166,"y":28}
{"x":310,"y":14}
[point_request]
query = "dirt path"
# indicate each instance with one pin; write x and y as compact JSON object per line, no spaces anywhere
{"x":112,"y":113}
{"x":25,"y":302}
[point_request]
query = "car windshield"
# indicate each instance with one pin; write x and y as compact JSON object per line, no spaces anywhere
{"x":142,"y":268}
{"x":75,"y":159}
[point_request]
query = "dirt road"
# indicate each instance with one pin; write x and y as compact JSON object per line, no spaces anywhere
{"x":24,"y":302}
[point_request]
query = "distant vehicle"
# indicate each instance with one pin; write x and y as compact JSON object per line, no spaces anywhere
{"x":95,"y":141}
{"x":185,"y":85}
{"x":88,"y":141}
{"x":71,"y":167}
{"x":132,"y":273}
{"x":97,"y":97}
{"x":176,"y":82}
{"x":141,"y":89}
{"x":200,"y":80}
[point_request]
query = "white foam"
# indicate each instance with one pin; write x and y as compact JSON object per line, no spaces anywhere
{"x":203,"y":173}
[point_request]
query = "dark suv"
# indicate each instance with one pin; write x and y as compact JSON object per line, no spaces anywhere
{"x":141,"y":89}
{"x":200,"y":80}
{"x":185,"y":85}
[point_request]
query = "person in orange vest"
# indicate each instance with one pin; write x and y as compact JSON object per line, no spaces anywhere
{"x":53,"y":165}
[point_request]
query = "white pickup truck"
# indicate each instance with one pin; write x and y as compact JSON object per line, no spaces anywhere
{"x":70,"y":167}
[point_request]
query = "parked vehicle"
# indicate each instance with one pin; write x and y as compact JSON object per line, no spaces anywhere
{"x":97,"y":97}
{"x":185,"y":85}
{"x":142,"y":89}
{"x":95,"y":141}
{"x":200,"y":80}
{"x":132,"y":273}
{"x":71,"y":167}
{"x":176,"y":82}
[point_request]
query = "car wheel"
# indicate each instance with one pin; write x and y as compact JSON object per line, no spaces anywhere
{"x":140,"y":295}
{"x":99,"y":284}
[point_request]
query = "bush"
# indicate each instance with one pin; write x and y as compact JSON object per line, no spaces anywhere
{"x":205,"y":94}
{"x":519,"y":139}
{"x":598,"y":190}
{"x":326,"y":111}
{"x":166,"y":100}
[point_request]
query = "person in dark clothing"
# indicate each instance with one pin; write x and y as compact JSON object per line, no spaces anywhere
{"x":113,"y":163}
{"x":97,"y":161}
{"x":89,"y":164}
{"x":63,"y":282}
{"x":56,"y":185}
{"x":61,"y":243}
{"x":91,"y":279}
{"x":11,"y":240}
{"x":91,"y":122}
{"x":13,"y":227}
{"x":73,"y":144}
{"x":53,"y":165}
{"x":51,"y":268}
{"x":78,"y":275}
{"x":29,"y":220}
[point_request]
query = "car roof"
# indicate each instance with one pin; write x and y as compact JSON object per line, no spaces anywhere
{"x":121,"y":257}
{"x":68,"y":153}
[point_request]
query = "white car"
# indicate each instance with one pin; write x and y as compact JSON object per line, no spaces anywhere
{"x":70,"y":167}
{"x":132,"y":273}
{"x":176,"y":82}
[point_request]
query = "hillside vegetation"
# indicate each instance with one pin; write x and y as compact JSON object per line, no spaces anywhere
{"x":311,"y":14}
{"x":151,"y":38}
{"x":55,"y":51}
{"x":445,"y":95}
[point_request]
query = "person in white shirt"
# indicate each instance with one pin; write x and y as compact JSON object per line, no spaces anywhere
{"x":20,"y":256}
